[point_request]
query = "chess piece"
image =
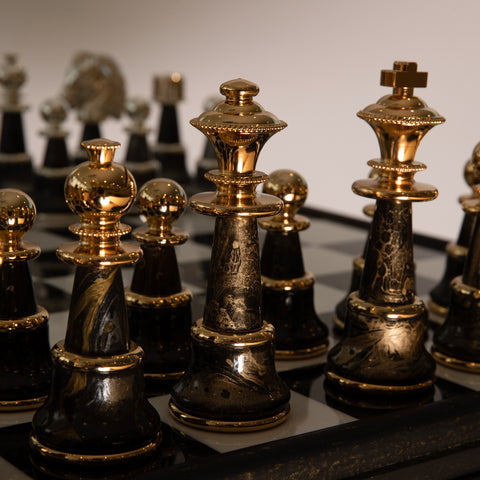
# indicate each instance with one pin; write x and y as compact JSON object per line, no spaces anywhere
{"x":15,"y":162}
{"x":287,"y":289}
{"x":159,"y":309}
{"x":209,"y":159}
{"x":341,"y":308}
{"x":231,"y":383}
{"x":24,"y":345}
{"x":139,"y":159}
{"x":93,"y":86}
{"x":456,"y":252}
{"x":97,"y":412}
{"x":381,"y":362}
{"x":168,"y":91}
{"x":49,"y":179}
{"x":456,"y":342}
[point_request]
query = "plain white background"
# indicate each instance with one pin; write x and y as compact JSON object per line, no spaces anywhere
{"x":317,"y":63}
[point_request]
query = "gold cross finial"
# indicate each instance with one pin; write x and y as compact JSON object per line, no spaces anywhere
{"x":403,"y":78}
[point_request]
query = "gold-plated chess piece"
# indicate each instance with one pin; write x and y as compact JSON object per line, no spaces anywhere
{"x":231,"y":383}
{"x":15,"y":162}
{"x":93,"y":86}
{"x":159,"y":308}
{"x":97,"y":412}
{"x":456,"y":252}
{"x":381,"y":362}
{"x":139,"y":159}
{"x":287,"y":289}
{"x":456,"y":343}
{"x":167,"y":149}
{"x":24,"y":346}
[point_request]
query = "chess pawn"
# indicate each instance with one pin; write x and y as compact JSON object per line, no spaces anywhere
{"x":168,"y":91}
{"x":456,"y":252}
{"x":97,"y":412}
{"x":209,"y":159}
{"x":287,"y":289}
{"x":231,"y":383}
{"x":381,"y":362}
{"x":15,"y":162}
{"x":24,"y":345}
{"x":456,"y":342}
{"x":50,"y":177}
{"x":159,"y":309}
{"x":139,"y":159}
{"x":93,"y":86}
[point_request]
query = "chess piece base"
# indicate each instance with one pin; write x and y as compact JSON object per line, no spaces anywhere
{"x":231,"y":384}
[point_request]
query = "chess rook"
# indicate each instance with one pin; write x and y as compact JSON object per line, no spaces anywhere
{"x":15,"y":162}
{"x":168,"y":91}
{"x":456,"y":252}
{"x":231,"y":383}
{"x":159,"y":309}
{"x":24,"y":346}
{"x":139,"y":160}
{"x":287,"y":289}
{"x":381,"y":362}
{"x":97,"y":412}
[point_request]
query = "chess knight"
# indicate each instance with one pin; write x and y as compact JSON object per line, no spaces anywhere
{"x":381,"y":362}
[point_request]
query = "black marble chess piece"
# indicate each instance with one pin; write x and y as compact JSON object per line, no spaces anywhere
{"x":24,"y":345}
{"x":231,"y":383}
{"x":49,"y":178}
{"x":381,"y":361}
{"x":456,"y":251}
{"x":15,"y":163}
{"x":167,"y":149}
{"x":287,"y":289}
{"x":456,"y":342}
{"x":159,"y":308}
{"x":139,"y":159}
{"x":97,"y":412}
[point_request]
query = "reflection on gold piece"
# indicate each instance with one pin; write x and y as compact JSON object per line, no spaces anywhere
{"x":457,"y":251}
{"x":99,"y":364}
{"x":225,"y":425}
{"x":26,"y":323}
{"x":456,"y":363}
{"x":301,"y":354}
{"x":437,"y":309}
{"x":90,"y":459}
{"x":17,"y":405}
{"x":298,"y":283}
{"x":163,"y":376}
{"x":172,"y":301}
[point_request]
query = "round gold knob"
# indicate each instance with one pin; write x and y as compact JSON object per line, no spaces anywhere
{"x":17,"y":211}
{"x":162,"y":201}
{"x":100,"y":190}
{"x":239,"y":91}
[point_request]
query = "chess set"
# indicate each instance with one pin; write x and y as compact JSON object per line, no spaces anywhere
{"x":169,"y":366}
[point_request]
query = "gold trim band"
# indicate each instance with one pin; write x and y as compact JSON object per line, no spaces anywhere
{"x":301,"y":353}
{"x":98,"y":364}
{"x":26,"y":323}
{"x":456,"y":251}
{"x":299,"y":283}
{"x":85,"y":458}
{"x":233,"y":340}
{"x":24,"y":404}
{"x":456,"y":363}
{"x":437,"y":309}
{"x":164,"y":376}
{"x":228,"y":425}
{"x":374,"y":387}
{"x":171,"y":301}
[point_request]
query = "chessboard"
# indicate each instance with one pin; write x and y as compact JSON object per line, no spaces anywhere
{"x":319,"y":439}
